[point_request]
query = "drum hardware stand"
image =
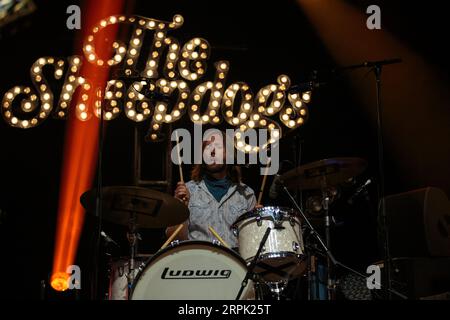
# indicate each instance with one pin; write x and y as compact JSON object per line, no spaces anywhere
{"x":133,"y":238}
{"x":277,"y":288}
{"x":325,"y":204}
{"x":250,"y":274}
{"x":324,"y":246}
{"x":259,"y":291}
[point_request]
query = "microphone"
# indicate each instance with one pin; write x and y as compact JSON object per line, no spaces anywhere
{"x":382,"y":62}
{"x":108,"y":239}
{"x":358,"y":191}
{"x":275,"y":186}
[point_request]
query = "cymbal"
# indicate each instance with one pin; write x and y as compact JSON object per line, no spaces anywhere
{"x":323,"y":173}
{"x":152,"y":209}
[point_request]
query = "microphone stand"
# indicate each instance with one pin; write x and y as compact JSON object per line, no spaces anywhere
{"x":377,"y":68}
{"x":324,"y":246}
{"x":98,"y":209}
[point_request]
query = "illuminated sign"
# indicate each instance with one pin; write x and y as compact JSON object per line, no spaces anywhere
{"x":161,"y":92}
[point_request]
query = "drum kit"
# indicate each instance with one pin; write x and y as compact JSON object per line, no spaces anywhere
{"x":271,"y":249}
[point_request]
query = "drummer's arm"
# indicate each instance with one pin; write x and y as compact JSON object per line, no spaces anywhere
{"x":182,"y":234}
{"x":253,"y":204}
{"x":181,"y":193}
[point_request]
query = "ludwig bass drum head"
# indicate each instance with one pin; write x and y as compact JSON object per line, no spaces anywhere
{"x":192,"y":270}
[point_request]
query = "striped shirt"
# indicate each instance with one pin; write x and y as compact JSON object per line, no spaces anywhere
{"x":206,"y":211}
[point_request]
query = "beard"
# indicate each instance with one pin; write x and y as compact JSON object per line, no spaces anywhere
{"x":214,"y":168}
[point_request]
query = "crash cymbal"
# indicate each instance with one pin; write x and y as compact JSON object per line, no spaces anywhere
{"x":322,"y":173}
{"x":152,"y":209}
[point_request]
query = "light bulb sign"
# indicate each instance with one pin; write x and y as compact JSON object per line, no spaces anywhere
{"x":161,"y":91}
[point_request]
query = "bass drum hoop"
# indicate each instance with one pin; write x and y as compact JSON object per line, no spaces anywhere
{"x":173,"y":245}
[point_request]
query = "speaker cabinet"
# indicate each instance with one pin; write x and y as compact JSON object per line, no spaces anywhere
{"x":419,"y":223}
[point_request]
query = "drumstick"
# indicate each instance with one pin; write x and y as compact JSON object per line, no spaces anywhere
{"x":174,"y":234}
{"x":263,"y":184}
{"x":180,"y":167}
{"x":215,"y":234}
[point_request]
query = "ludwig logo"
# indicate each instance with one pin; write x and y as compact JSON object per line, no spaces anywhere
{"x":195,"y":274}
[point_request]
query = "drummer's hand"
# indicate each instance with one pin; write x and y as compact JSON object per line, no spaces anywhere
{"x":258,"y":206}
{"x":182,"y":193}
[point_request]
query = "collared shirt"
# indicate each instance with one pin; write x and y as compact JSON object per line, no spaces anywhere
{"x":206,"y":211}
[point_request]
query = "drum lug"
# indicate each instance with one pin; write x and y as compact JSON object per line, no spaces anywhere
{"x":235,"y":231}
{"x":174,"y":243}
{"x":279,"y":224}
{"x":216,"y":242}
{"x":121,"y":271}
{"x":295,"y":246}
{"x":258,"y":221}
{"x":292,"y":221}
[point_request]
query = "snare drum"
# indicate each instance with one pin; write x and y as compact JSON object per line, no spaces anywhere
{"x":192,"y":270}
{"x":282,"y":257}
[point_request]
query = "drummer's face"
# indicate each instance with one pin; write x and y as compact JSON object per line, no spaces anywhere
{"x":214,"y":153}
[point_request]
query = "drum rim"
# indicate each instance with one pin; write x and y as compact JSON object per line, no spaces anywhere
{"x":285,"y":254}
{"x":280,"y":254}
{"x":254,"y":213}
{"x":178,"y":244}
{"x":142,"y":257}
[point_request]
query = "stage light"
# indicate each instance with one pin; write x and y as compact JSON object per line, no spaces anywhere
{"x":27,"y":105}
{"x":294,"y":113}
{"x":81,"y":142}
{"x":188,"y":54}
{"x":229,"y":99}
{"x":306,"y":96}
{"x":59,"y":281}
{"x":214,"y":102}
{"x":278,"y":93}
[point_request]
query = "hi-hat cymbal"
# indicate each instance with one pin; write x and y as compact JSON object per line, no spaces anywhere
{"x":152,"y":209}
{"x":323,"y":173}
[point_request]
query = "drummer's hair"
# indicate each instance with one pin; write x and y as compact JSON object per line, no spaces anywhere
{"x":233,"y":173}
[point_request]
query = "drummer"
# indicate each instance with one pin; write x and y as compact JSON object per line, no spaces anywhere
{"x":215,"y":196}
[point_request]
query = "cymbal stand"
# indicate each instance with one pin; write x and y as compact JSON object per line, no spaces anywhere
{"x":133,"y":237}
{"x":325,"y":248}
{"x":325,"y":205}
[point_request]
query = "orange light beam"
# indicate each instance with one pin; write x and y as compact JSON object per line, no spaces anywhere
{"x":81,"y":147}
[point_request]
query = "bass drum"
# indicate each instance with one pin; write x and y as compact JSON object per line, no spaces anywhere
{"x":192,"y":270}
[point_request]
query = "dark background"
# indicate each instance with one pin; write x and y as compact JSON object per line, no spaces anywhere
{"x":261,"y":40}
